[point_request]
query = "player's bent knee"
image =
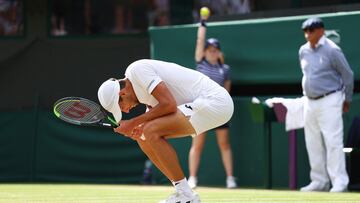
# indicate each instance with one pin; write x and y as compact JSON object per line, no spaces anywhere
{"x":150,"y":132}
{"x":151,"y":137}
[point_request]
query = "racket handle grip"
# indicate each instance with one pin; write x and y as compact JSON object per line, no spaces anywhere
{"x":142,"y":137}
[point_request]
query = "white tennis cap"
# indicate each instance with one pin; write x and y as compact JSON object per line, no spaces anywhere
{"x":108,"y":95}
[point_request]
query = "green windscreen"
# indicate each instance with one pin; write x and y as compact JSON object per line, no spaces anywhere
{"x":258,"y":51}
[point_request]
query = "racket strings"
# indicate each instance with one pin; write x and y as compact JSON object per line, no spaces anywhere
{"x":80,"y":110}
{"x":95,"y":114}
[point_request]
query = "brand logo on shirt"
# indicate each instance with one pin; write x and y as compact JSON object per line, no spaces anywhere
{"x":221,"y":71}
{"x":148,"y":87}
{"x":189,"y":107}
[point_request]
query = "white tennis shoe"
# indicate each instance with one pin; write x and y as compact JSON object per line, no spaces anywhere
{"x":192,"y":181}
{"x":179,"y":197}
{"x":230,"y":182}
{"x":339,"y":189}
{"x":315,"y":187}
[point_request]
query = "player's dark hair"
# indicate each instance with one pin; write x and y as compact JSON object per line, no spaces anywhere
{"x":122,"y":83}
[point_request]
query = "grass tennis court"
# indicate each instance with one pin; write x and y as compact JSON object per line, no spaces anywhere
{"x":79,"y":193}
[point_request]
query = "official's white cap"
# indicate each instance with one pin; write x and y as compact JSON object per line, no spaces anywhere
{"x":108,"y":95}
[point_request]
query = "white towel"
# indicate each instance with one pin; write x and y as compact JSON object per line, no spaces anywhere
{"x":295,"y":111}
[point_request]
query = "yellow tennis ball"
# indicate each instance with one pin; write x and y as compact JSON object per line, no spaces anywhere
{"x":204,"y":12}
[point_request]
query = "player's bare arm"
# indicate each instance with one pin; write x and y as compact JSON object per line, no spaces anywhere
{"x":200,"y":43}
{"x":201,"y":35}
{"x":167,"y":105}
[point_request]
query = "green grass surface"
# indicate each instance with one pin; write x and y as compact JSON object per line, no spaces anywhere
{"x":71,"y":193}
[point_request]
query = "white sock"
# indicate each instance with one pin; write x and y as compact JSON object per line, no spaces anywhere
{"x":230,"y":177}
{"x":183,"y":186}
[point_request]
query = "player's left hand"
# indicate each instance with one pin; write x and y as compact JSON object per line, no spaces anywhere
{"x":130,"y":129}
{"x":126,"y":127}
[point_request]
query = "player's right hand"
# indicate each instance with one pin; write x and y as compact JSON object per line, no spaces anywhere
{"x":138,"y":132}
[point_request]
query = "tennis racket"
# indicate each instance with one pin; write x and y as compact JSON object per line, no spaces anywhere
{"x":81,"y":111}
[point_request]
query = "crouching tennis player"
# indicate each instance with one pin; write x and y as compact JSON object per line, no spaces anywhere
{"x":180,"y":101}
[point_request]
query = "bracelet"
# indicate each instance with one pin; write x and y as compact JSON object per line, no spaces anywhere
{"x":203,"y":23}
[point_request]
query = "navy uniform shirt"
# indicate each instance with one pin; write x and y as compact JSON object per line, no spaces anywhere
{"x":218,"y":72}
